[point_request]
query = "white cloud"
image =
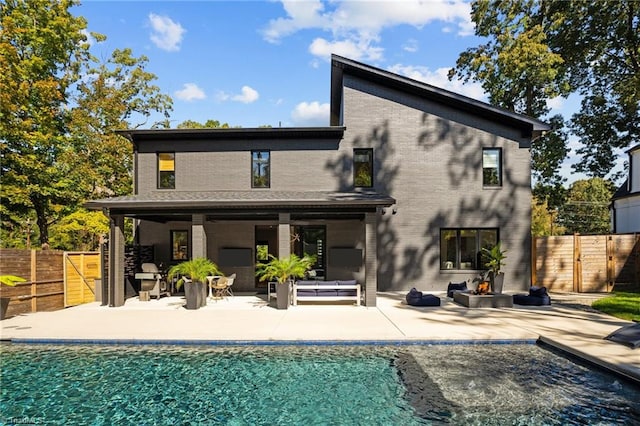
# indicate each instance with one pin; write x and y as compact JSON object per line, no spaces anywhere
{"x":166,"y":34}
{"x":440,"y":79}
{"x":410,"y":45}
{"x":190,"y":92}
{"x":310,"y":114}
{"x":359,"y":23}
{"x":353,"y":49}
{"x":247,"y":95}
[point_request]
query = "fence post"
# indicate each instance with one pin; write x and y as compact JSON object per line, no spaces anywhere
{"x":577,"y":264}
{"x":34,"y":278}
{"x":611,"y":263}
{"x":534,"y":260}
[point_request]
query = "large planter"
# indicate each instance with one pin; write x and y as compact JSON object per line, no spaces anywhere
{"x":202,"y":287}
{"x":4,"y":304}
{"x":282,"y":295}
{"x":193,"y":295}
{"x":497,"y":282}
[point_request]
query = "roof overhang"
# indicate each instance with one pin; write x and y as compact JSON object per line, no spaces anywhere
{"x":240,"y":203}
{"x":240,"y":133}
{"x":530,"y":127}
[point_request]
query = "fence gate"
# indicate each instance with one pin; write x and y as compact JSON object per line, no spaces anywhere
{"x":81,"y":269}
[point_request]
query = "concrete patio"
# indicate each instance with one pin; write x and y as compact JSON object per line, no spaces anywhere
{"x":249,"y":318}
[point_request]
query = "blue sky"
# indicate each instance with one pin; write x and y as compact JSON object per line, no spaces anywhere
{"x":253,"y":63}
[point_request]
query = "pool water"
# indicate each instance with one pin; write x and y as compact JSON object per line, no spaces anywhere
{"x":307,"y":385}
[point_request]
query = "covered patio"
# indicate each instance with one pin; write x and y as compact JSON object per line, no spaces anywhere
{"x":227,"y":226}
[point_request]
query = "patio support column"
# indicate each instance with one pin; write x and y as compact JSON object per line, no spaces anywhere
{"x":371,"y":258}
{"x":198,"y":236}
{"x":116,"y":261}
{"x":284,"y":235}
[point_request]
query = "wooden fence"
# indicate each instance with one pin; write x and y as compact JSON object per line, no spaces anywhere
{"x":587,"y":263}
{"x":44,"y":271}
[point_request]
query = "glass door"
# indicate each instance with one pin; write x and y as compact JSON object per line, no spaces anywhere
{"x":311,"y":240}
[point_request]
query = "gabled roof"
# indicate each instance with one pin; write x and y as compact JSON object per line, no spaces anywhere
{"x":530,"y":127}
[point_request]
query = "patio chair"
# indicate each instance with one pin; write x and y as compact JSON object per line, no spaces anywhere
{"x":230,"y":279}
{"x":220,"y":288}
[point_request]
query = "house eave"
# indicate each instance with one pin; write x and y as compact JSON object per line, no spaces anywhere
{"x":530,"y":127}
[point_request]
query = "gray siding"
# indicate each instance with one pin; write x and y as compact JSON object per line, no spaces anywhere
{"x":427,"y":156}
{"x":430,"y":160}
{"x":219,"y":165}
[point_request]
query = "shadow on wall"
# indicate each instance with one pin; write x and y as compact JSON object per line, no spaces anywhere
{"x":464,"y":166}
{"x":384,"y":175}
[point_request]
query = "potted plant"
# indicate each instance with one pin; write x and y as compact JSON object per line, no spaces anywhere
{"x":196,"y":270}
{"x":11,"y":281}
{"x":283,"y":270}
{"x":495,"y":262}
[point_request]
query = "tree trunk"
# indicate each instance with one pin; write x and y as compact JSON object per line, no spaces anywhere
{"x":40,"y":206}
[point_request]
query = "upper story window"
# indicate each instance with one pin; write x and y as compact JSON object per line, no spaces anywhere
{"x":363,"y":167}
{"x":260,"y":169}
{"x":166,"y":170}
{"x":492,"y":167}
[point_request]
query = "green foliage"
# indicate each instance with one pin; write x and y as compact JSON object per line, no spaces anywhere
{"x":81,"y":230}
{"x":197,"y":270}
{"x":11,"y":280}
{"x":535,"y":51}
{"x":621,"y":305}
{"x":42,"y":48}
{"x":209,"y":124}
{"x":59,"y":108}
{"x":544,"y":220}
{"x":586,"y":210}
{"x":496,"y":257}
{"x":282,"y":270}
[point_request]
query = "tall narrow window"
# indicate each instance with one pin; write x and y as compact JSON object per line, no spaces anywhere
{"x":260,"y":169}
{"x":363,"y":167}
{"x":492,"y":167}
{"x":166,"y":170}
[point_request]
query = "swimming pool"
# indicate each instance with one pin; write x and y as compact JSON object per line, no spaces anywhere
{"x":271,"y":385}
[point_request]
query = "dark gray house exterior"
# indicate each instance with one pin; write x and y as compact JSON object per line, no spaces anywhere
{"x":401,"y":190}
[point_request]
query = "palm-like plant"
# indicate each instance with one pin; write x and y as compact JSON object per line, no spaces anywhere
{"x":496,"y":258}
{"x":11,"y":280}
{"x":282,"y":270}
{"x":196,"y":269}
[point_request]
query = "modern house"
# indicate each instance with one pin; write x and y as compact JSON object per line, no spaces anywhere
{"x":402,"y":189}
{"x":625,"y":203}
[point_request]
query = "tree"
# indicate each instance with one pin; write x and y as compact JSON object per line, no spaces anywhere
{"x":520,"y":72}
{"x":587,"y":208}
{"x":41,"y":50}
{"x":111,"y":96}
{"x":81,"y":230}
{"x":537,"y":50}
{"x":544,"y":220}
{"x":600,"y":42}
{"x":209,"y":124}
{"x":59,"y":108}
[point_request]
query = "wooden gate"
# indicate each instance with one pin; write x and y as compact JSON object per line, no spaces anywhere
{"x":81,"y":269}
{"x":587,"y":263}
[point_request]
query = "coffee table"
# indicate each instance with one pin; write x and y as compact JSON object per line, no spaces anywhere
{"x":483,"y":300}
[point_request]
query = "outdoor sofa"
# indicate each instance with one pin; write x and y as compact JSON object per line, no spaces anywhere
{"x":334,"y":290}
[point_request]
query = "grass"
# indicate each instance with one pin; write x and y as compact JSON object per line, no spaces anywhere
{"x":620,"y":305}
